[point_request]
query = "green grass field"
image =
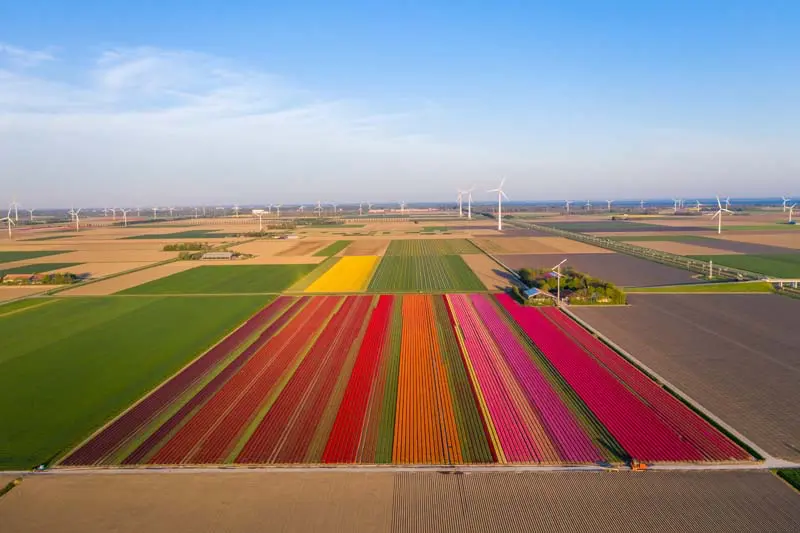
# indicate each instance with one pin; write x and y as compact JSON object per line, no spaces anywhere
{"x":432,"y":273}
{"x":426,"y":247}
{"x":791,"y":475}
{"x":51,"y":238}
{"x":333,"y":249}
{"x":763,"y":227}
{"x":776,"y":265}
{"x":7,"y":257}
{"x":37,"y":269}
{"x":69,"y":366}
{"x":708,"y":288}
{"x":190,"y":234}
{"x":226,"y":279}
{"x":21,"y":305}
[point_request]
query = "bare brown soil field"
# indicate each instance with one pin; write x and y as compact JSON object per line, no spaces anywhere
{"x":99,"y":270}
{"x":263,"y":247}
{"x":403,"y":502}
{"x":535,"y":245}
{"x":12,"y":293}
{"x":126,"y":281}
{"x":783,"y":239}
{"x":304,"y":247}
{"x":681,"y":248}
{"x":737,"y":355}
{"x":272,"y":260}
{"x":114,"y":256}
{"x":620,"y":269}
{"x":366,"y":247}
{"x":490,"y":273}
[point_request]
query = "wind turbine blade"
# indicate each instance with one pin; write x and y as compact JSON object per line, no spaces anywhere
{"x":493,"y":190}
{"x":504,"y":195}
{"x":502,"y":182}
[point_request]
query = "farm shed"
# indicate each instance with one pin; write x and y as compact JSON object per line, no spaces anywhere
{"x":217,"y":255}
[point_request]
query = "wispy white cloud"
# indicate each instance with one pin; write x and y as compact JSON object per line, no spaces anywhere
{"x":22,"y":57}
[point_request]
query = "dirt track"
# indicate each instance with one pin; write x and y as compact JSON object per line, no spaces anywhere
{"x":737,"y":355}
{"x":403,"y":502}
{"x":624,"y":270}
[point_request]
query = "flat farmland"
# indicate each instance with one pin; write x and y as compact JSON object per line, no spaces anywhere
{"x":69,"y":365}
{"x":39,"y":268}
{"x":427,"y":247}
{"x":10,"y":256}
{"x":680,"y":248}
{"x":12,"y":293}
{"x":132,"y":279}
{"x":226,"y":279}
{"x":429,"y":273}
{"x":535,"y":245}
{"x":495,"y":502}
{"x":367,"y":247}
{"x":302,"y":247}
{"x":620,"y":269}
{"x":774,"y":265}
{"x":597,"y":226}
{"x":735,"y":354}
{"x":784,"y":239}
{"x":495,"y":277}
{"x":415,"y":379}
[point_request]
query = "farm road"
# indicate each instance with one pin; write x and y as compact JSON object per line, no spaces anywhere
{"x":738,"y":355}
{"x":407,"y":502}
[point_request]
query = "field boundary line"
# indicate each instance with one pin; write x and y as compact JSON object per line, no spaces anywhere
{"x":731,"y":432}
{"x":62,"y":454}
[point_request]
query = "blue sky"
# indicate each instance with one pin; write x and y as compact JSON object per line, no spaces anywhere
{"x":157,"y":102}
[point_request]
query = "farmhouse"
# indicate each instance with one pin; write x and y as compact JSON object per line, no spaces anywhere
{"x":21,"y":278}
{"x":217,"y":255}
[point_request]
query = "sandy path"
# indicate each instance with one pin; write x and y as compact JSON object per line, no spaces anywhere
{"x":258,"y":501}
{"x":126,"y":281}
{"x":12,"y":293}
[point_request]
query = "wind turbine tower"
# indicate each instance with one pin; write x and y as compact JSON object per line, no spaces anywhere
{"x":609,"y":202}
{"x":718,"y":214}
{"x":9,"y":221}
{"x":469,"y":202}
{"x":124,"y":216}
{"x":500,"y":195}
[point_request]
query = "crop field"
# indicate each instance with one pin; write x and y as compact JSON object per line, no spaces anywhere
{"x":736,"y":354}
{"x":69,"y":365}
{"x":348,"y":274}
{"x":189,"y":234}
{"x":226,"y":279}
{"x":430,"y":273}
{"x":333,"y":249}
{"x":620,"y":269}
{"x":39,"y":268}
{"x":426,"y":247}
{"x":416,"y":379}
{"x":599,"y":226}
{"x":775,"y":265}
{"x":9,"y":256}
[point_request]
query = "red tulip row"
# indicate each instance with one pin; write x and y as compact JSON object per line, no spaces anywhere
{"x":351,"y":423}
{"x":211,"y":433}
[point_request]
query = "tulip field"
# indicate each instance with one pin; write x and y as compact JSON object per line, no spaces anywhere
{"x":407,"y":379}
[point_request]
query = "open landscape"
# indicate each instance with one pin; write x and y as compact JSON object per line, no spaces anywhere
{"x":413,"y":267}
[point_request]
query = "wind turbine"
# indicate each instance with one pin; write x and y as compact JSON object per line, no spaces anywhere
{"x":500,"y":195}
{"x":588,"y":205}
{"x":113,"y":213}
{"x":728,"y":202}
{"x":460,"y":201}
{"x":402,"y":206}
{"x":236,"y":210}
{"x":31,"y":212}
{"x":278,"y":209}
{"x":609,"y":202}
{"x":105,"y":211}
{"x":76,"y":217}
{"x":675,"y":207}
{"x":641,"y":204}
{"x":567,"y":203}
{"x":138,"y":211}
{"x":301,"y":208}
{"x":360,"y":209}
{"x":369,"y":207}
{"x":333,"y":204}
{"x":557,"y":271}
{"x":155,"y":213}
{"x":195,"y":212}
{"x":171,"y":212}
{"x":699,"y":206}
{"x":469,"y":202}
{"x":14,"y":205}
{"x":260,"y":216}
{"x":9,"y":221}
{"x":791,"y":210}
{"x":318,"y":209}
{"x":785,"y":200}
{"x":124,"y":216}
{"x":719,"y":214}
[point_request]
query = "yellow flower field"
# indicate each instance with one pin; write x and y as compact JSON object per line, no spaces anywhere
{"x":349,"y":274}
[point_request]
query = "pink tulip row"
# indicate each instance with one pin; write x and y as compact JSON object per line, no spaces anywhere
{"x":634,"y":425}
{"x":572,"y":442}
{"x":711,"y":443}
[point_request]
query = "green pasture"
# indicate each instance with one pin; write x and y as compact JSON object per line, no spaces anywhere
{"x":775,"y":265}
{"x":431,"y":273}
{"x":333,"y":249}
{"x":21,"y":305}
{"x":72,"y":364}
{"x":427,"y":247}
{"x":37,"y":268}
{"x":708,"y":288}
{"x":9,"y":256}
{"x":226,"y":279}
